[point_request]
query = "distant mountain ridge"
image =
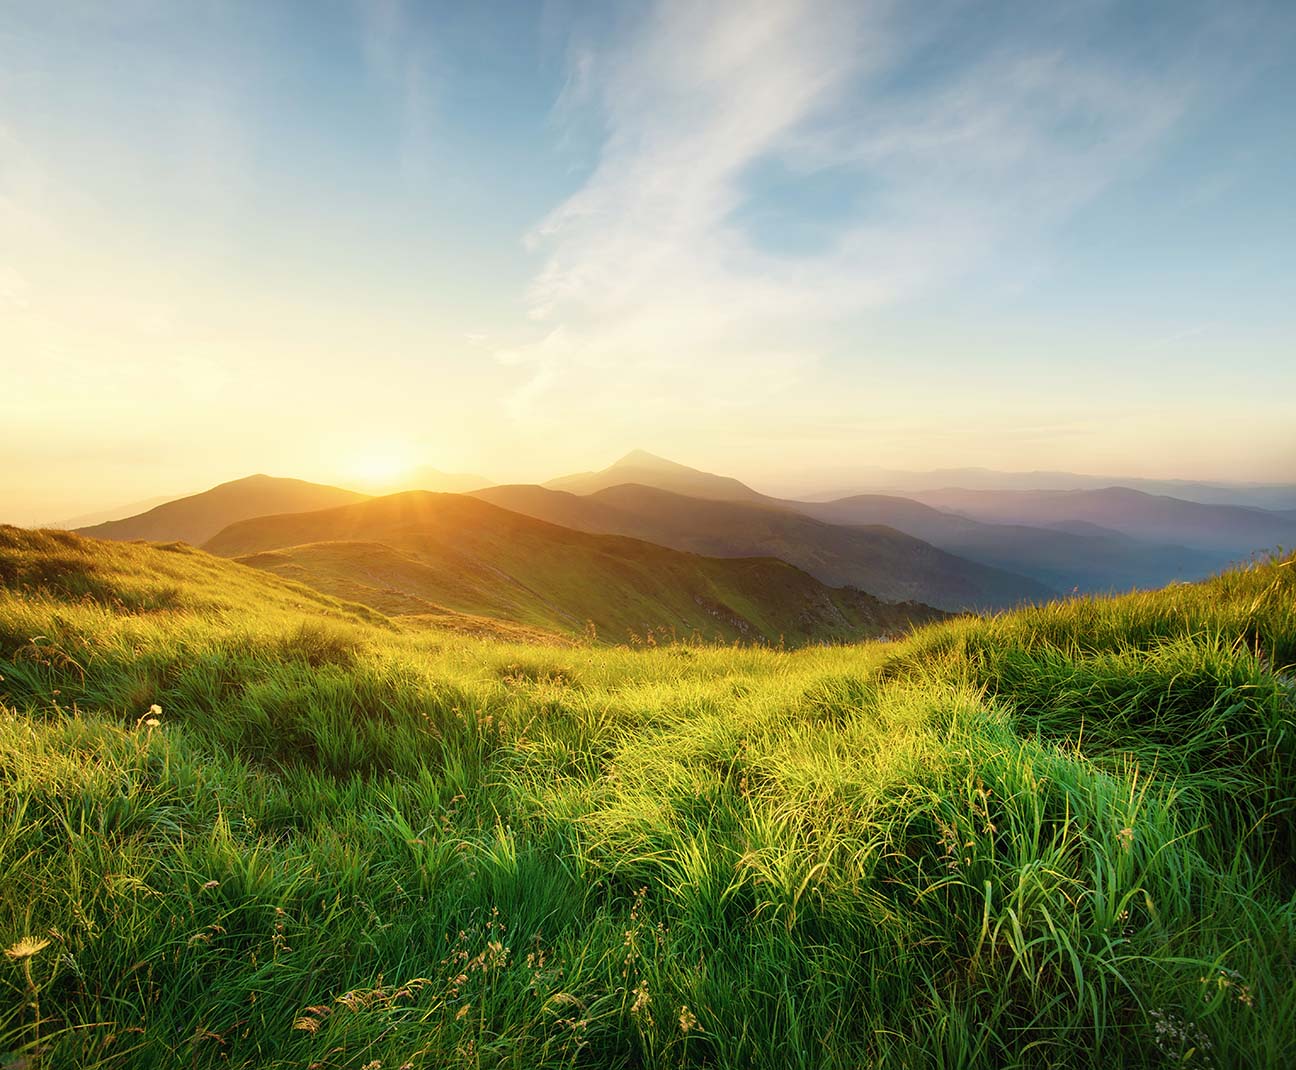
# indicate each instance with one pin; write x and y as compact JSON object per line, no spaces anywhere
{"x":1224,"y":528}
{"x":1058,"y":557}
{"x":646,"y":469}
{"x":196,"y":518}
{"x":874,"y":480}
{"x":428,"y":554}
{"x":1082,"y":555}
{"x":878,"y":559}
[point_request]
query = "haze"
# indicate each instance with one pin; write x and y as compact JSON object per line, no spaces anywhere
{"x":341,"y":241}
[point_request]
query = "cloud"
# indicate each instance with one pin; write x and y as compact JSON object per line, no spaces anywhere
{"x":650,"y":280}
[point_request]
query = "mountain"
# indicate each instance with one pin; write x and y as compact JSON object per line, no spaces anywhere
{"x":197,"y":518}
{"x":1062,"y":555}
{"x":431,"y":554}
{"x":1230,"y":529}
{"x":652,"y":471}
{"x":880,"y":560}
{"x":1083,"y":555}
{"x":876,"y":480}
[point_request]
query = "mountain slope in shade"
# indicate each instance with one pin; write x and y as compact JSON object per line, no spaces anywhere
{"x":1083,"y":555}
{"x":648,"y":470}
{"x":1229,"y":529}
{"x":197,"y":518}
{"x":429,"y":554}
{"x":880,"y":560}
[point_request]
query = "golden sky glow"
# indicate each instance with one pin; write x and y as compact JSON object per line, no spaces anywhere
{"x":781,"y":246}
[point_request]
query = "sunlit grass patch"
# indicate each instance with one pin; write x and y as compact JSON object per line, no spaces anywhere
{"x":257,"y":827}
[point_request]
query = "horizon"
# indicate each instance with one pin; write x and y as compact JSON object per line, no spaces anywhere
{"x":406,"y":481}
{"x":784,"y":244}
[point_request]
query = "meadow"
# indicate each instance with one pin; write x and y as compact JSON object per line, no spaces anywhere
{"x":243,"y":824}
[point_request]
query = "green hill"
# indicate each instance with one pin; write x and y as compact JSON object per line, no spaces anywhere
{"x":1057,"y":837}
{"x":430,"y":553}
{"x":198,"y":517}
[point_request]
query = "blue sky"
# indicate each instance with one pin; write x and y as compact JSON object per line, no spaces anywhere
{"x":771,"y":238}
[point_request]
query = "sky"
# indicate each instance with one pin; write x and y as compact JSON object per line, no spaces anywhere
{"x":778,"y":239}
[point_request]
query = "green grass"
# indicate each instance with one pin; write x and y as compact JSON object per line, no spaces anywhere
{"x":1060,"y":837}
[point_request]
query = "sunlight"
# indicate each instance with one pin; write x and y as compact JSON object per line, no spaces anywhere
{"x":379,"y":468}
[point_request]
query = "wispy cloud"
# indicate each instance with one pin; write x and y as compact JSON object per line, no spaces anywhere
{"x":401,"y":54}
{"x":650,"y":281}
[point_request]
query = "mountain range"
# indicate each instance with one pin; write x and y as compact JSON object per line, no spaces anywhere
{"x":873,"y":480}
{"x":876,"y":558}
{"x":648,"y":543}
{"x":420,"y":553}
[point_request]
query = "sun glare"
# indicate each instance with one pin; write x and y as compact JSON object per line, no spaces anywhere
{"x":379,"y":469}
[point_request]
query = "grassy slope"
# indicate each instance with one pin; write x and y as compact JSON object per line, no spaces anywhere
{"x":420,"y":552}
{"x":1060,"y":837}
{"x":877,"y":559}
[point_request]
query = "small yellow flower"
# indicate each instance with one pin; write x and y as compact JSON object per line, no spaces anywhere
{"x":26,"y":948}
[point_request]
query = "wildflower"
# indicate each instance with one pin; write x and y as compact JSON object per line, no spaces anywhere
{"x":26,"y":948}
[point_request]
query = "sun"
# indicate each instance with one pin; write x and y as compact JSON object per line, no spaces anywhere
{"x":379,"y":468}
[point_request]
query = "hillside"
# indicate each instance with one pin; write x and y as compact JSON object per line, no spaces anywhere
{"x":198,"y":517}
{"x":429,"y":553}
{"x":880,"y":560}
{"x":1060,"y":837}
{"x":1231,"y":529}
{"x":640,"y":467}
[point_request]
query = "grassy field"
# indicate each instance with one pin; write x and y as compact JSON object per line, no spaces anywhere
{"x":244,"y":824}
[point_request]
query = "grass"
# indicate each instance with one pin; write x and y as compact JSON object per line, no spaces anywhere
{"x":1058,"y":837}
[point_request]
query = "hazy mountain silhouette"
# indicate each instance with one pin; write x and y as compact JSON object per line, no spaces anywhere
{"x":873,"y":480}
{"x":120,"y":512}
{"x":648,"y":470}
{"x":1229,"y":529}
{"x":198,"y":517}
{"x":1083,"y":555}
{"x":1060,"y":556}
{"x":878,"y":559}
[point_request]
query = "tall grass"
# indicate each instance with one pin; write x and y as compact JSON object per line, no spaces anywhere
{"x":1060,"y":837}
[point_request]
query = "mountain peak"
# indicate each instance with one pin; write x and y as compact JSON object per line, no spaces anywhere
{"x":644,"y":459}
